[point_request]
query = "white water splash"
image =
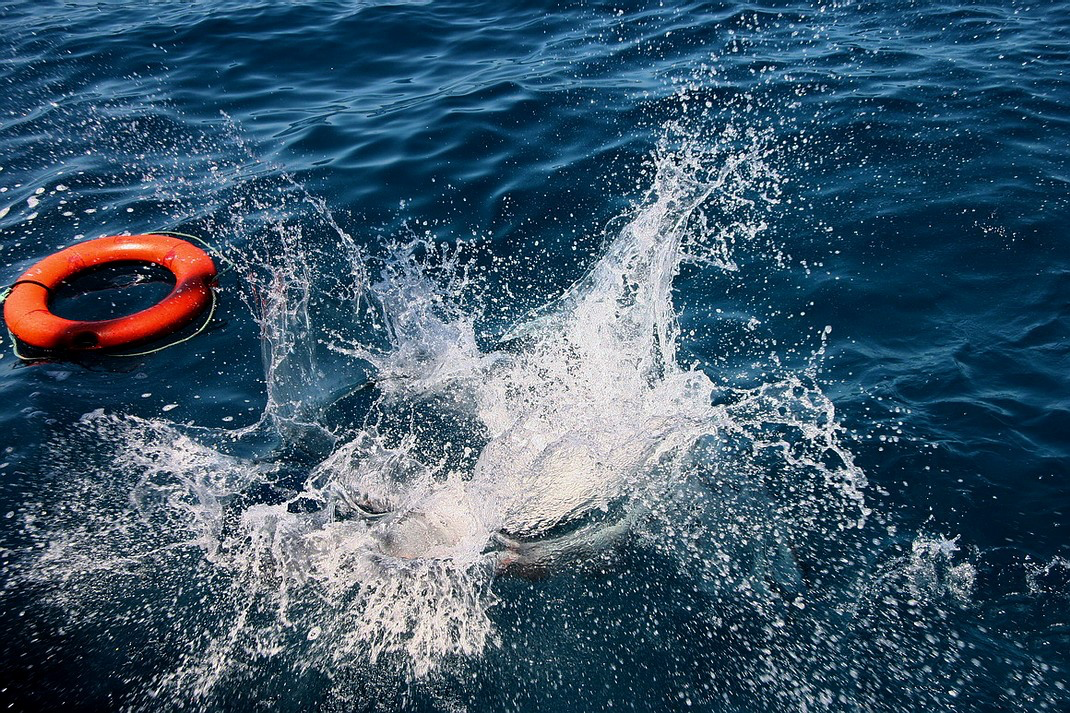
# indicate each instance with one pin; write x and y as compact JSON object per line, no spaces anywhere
{"x":539,"y":452}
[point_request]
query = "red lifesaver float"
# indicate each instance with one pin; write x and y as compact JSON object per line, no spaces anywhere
{"x":29,"y":318}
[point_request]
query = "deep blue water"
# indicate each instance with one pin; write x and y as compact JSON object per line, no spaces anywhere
{"x":924,"y":173}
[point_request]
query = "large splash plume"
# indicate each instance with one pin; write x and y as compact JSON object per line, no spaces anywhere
{"x":464,"y":454}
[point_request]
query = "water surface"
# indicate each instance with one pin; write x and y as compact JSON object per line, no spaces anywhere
{"x":568,"y":357}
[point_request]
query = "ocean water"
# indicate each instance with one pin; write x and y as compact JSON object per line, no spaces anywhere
{"x":568,"y":357}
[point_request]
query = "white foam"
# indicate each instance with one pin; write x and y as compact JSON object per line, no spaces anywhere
{"x":579,"y":421}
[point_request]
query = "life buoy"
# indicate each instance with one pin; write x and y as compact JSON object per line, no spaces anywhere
{"x":29,"y":318}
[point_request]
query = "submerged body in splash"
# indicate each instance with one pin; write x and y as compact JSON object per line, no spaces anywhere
{"x":582,"y":410}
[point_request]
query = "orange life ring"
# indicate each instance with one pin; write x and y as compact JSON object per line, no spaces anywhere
{"x":29,"y":318}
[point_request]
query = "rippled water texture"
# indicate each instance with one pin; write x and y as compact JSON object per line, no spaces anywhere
{"x":568,"y":357}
